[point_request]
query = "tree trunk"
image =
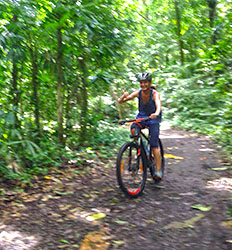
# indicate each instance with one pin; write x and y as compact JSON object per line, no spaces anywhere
{"x":180,"y":41}
{"x":115,"y":98}
{"x":15,"y":91}
{"x":212,"y":16}
{"x":83,"y":101}
{"x":59,"y":87}
{"x":33,"y":54}
{"x":68,"y":107}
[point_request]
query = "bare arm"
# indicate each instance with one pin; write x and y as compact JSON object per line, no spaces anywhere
{"x":156,"y":98}
{"x":126,"y":96}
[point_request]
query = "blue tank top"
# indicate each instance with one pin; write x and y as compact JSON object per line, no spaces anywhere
{"x":146,"y":109}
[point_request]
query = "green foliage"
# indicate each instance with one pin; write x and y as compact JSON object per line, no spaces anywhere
{"x":107,"y":135}
{"x":104,"y":44}
{"x":201,"y":103}
{"x":229,"y":212}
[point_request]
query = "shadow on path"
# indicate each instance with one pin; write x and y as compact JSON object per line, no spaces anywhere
{"x":190,"y":209}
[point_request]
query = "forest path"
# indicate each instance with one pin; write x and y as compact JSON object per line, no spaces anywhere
{"x":69,"y":209}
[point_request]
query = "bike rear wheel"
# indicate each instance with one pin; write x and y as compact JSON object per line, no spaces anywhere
{"x":131,"y":172}
{"x":153,"y":166}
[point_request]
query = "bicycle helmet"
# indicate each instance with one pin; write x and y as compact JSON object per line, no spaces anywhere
{"x":144,"y":77}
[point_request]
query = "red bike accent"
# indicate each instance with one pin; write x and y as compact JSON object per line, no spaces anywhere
{"x":134,"y":192}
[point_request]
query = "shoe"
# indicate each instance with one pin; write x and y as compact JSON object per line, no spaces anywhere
{"x":158,"y":175}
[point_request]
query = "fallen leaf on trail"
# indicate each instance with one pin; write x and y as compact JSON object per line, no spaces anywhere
{"x":229,"y":241}
{"x":187,"y":194}
{"x":203,"y":158}
{"x":64,"y":241}
{"x":220,"y":169}
{"x":55,"y":215}
{"x":31,"y":199}
{"x":173,"y":156}
{"x":75,"y":245}
{"x":94,"y":241}
{"x":95,"y":192}
{"x":75,"y":210}
{"x":185,"y":224}
{"x":114,"y":201}
{"x":227,"y":223}
{"x":201,"y":208}
{"x":95,"y":216}
{"x":170,"y":148}
{"x":158,"y":186}
{"x":47,"y":177}
{"x":174,"y":197}
{"x":118,"y":242}
{"x":47,"y":197}
{"x":71,"y":216}
{"x":121,"y":222}
{"x":16,"y":214}
{"x":60,"y":220}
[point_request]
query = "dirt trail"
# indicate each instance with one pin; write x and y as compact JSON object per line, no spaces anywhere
{"x":86,"y":210}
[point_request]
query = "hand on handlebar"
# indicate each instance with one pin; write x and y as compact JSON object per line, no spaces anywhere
{"x":153,"y":116}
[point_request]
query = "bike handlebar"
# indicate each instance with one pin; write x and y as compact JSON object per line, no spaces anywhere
{"x":130,"y":121}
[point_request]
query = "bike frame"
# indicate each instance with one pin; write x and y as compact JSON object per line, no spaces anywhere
{"x":148,"y":162}
{"x":145,"y":158}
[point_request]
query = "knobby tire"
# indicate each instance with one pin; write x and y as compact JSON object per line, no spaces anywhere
{"x":130,"y":168}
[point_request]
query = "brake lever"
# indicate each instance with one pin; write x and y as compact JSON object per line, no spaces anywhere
{"x":147,"y":119}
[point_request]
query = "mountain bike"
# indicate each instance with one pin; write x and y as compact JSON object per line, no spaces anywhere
{"x":133,"y":160}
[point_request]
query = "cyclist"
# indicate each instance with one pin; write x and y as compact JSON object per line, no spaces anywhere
{"x":149,"y":106}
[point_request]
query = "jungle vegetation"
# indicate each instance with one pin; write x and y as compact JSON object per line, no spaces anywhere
{"x":63,"y":64}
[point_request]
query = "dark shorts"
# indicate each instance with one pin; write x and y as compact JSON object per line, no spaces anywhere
{"x":154,"y":129}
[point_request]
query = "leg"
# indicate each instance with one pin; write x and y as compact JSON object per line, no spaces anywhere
{"x":157,"y":157}
{"x":154,"y":137}
{"x":135,"y":130}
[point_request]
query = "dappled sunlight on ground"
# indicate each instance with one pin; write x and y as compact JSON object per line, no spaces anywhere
{"x":222,"y":183}
{"x":206,"y":149}
{"x":164,"y":134}
{"x":173,"y":136}
{"x":11,"y":239}
{"x":165,"y":125}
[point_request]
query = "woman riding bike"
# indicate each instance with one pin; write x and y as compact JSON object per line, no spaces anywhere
{"x":149,"y":106}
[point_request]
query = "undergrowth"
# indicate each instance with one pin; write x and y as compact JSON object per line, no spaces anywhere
{"x":200,"y":102}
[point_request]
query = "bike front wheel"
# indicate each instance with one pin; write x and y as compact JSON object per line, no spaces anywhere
{"x":131,"y":172}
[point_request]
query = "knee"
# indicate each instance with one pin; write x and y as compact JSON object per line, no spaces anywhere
{"x":156,"y":150}
{"x":135,"y":130}
{"x":132,"y":131}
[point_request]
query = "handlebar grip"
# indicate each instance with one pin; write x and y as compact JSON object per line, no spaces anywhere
{"x":119,"y":122}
